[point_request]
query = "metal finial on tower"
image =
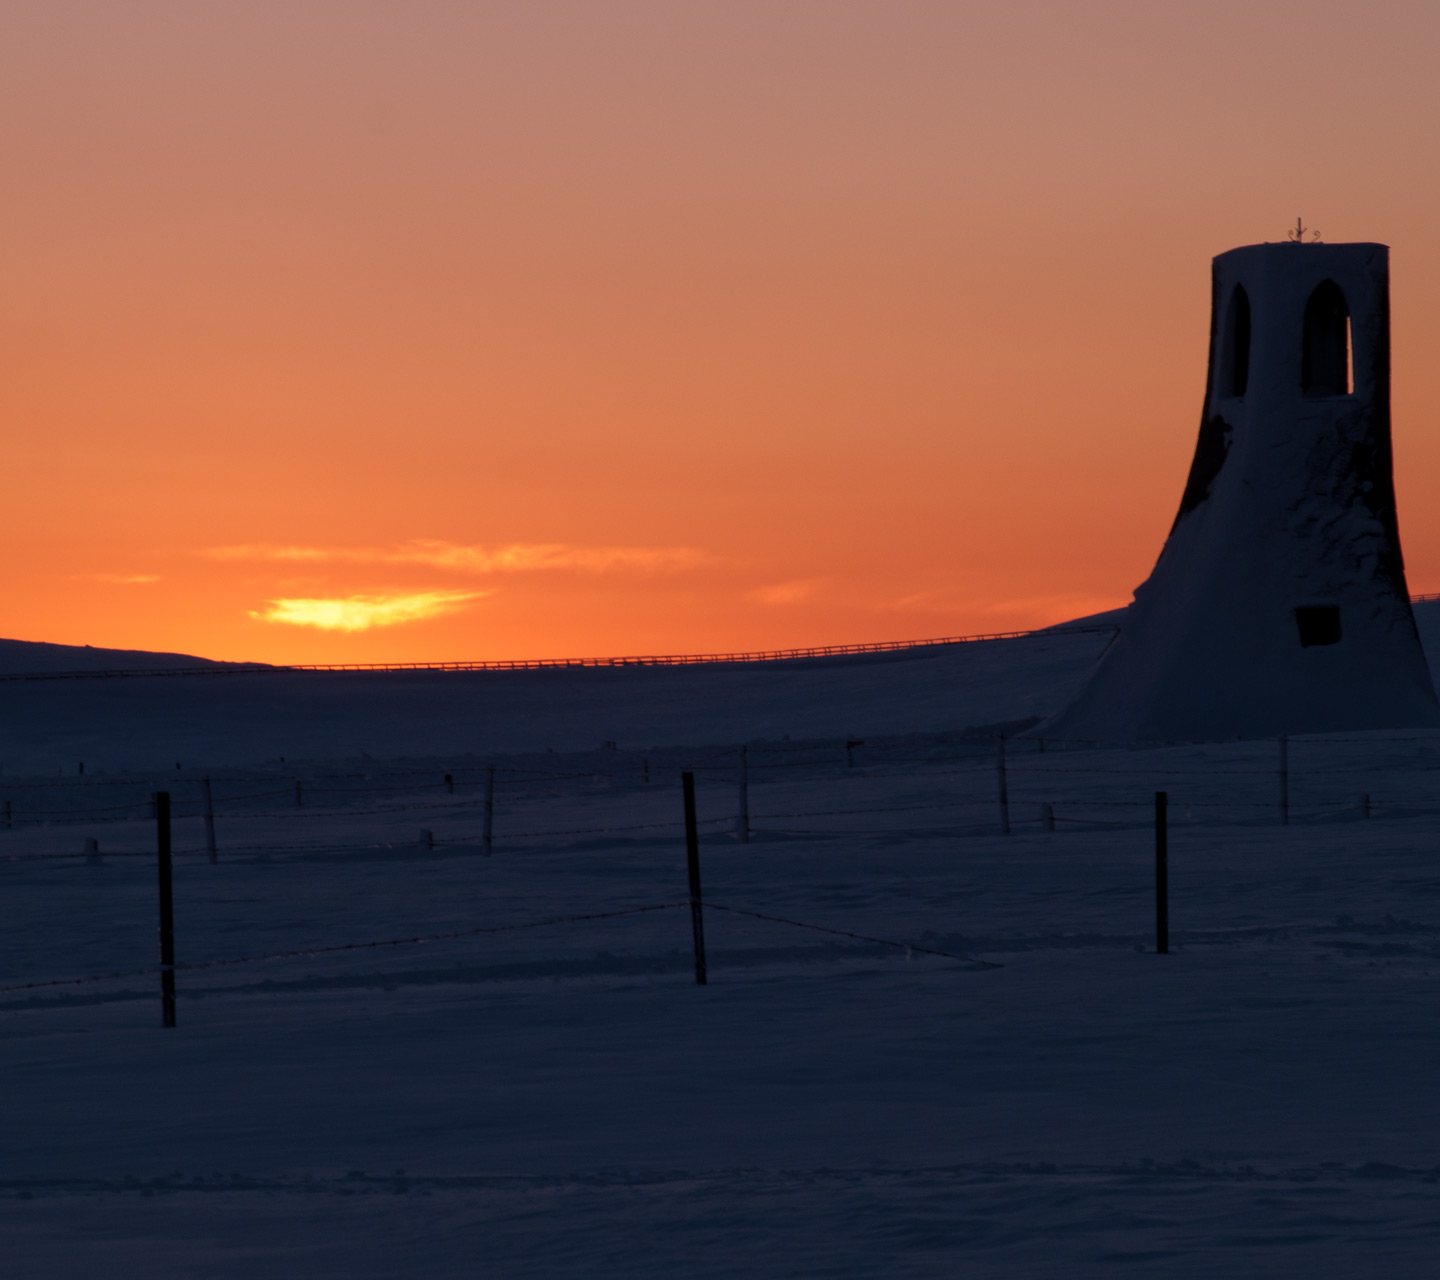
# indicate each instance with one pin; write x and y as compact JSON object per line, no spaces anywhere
{"x":1298,"y":231}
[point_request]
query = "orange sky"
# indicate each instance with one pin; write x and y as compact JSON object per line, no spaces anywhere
{"x":477,"y":330}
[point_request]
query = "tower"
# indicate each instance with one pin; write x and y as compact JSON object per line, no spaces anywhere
{"x":1278,"y":603}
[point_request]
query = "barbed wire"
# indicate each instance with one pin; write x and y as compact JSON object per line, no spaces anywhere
{"x":479,"y":931}
{"x":863,"y":937}
{"x":307,"y":952}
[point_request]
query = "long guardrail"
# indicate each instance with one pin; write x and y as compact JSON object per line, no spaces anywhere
{"x":542,"y":664}
{"x":538,"y":664}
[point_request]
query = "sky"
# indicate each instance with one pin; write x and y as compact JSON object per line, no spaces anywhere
{"x":374,"y":332}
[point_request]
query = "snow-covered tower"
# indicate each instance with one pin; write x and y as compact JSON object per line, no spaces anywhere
{"x":1278,"y":604}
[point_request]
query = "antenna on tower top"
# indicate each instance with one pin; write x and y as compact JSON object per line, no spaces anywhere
{"x":1298,"y":232}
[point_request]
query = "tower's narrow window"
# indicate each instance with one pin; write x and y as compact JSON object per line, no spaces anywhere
{"x":1237,"y":344}
{"x":1318,"y":624}
{"x":1325,"y":360}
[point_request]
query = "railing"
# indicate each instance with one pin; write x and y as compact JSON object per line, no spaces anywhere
{"x":540,"y":664}
{"x":537,"y":664}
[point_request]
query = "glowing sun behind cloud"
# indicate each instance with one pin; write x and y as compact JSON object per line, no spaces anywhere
{"x":360,"y":613}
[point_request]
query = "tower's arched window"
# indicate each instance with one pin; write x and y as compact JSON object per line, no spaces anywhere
{"x":1236,"y":366}
{"x":1325,"y":361}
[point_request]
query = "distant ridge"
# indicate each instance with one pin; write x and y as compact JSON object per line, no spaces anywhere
{"x":36,"y":657}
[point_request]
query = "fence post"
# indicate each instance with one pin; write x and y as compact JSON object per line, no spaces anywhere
{"x":1284,"y":781}
{"x":167,"y":910}
{"x":1047,"y":816}
{"x":850,"y":745}
{"x":209,"y":820}
{"x":92,"y":852}
{"x":427,"y":839}
{"x":1162,"y":875}
{"x":450,"y":784}
{"x":1004,"y":787}
{"x":692,"y":859}
{"x":742,"y":818}
{"x":489,"y":808}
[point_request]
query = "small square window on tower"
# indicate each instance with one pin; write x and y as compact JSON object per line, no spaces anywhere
{"x":1318,"y":624}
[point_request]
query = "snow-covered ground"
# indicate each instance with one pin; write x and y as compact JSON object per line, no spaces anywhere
{"x":563,"y":1100}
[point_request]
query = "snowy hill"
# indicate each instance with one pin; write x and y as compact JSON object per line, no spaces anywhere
{"x":247,"y":718}
{"x":30,"y":657}
{"x":397,"y":1056}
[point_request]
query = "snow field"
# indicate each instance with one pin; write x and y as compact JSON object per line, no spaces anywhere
{"x":565,"y":1101}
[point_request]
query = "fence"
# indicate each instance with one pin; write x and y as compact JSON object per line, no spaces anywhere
{"x":540,"y":664}
{"x":1024,"y":781}
{"x":945,"y":787}
{"x":545,"y":664}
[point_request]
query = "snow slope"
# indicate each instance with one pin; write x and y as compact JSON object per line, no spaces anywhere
{"x":246,"y":718}
{"x":232,"y":720}
{"x":563,"y":1100}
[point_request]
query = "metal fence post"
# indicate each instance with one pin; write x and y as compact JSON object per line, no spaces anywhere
{"x":692,"y":859}
{"x":209,"y":819}
{"x":742,"y":818}
{"x":489,"y":808}
{"x":1162,"y":875}
{"x":1284,"y":782}
{"x":1004,"y":786}
{"x":167,"y":910}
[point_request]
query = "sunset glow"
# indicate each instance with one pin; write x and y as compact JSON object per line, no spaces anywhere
{"x":661,"y":327}
{"x":360,"y":613}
